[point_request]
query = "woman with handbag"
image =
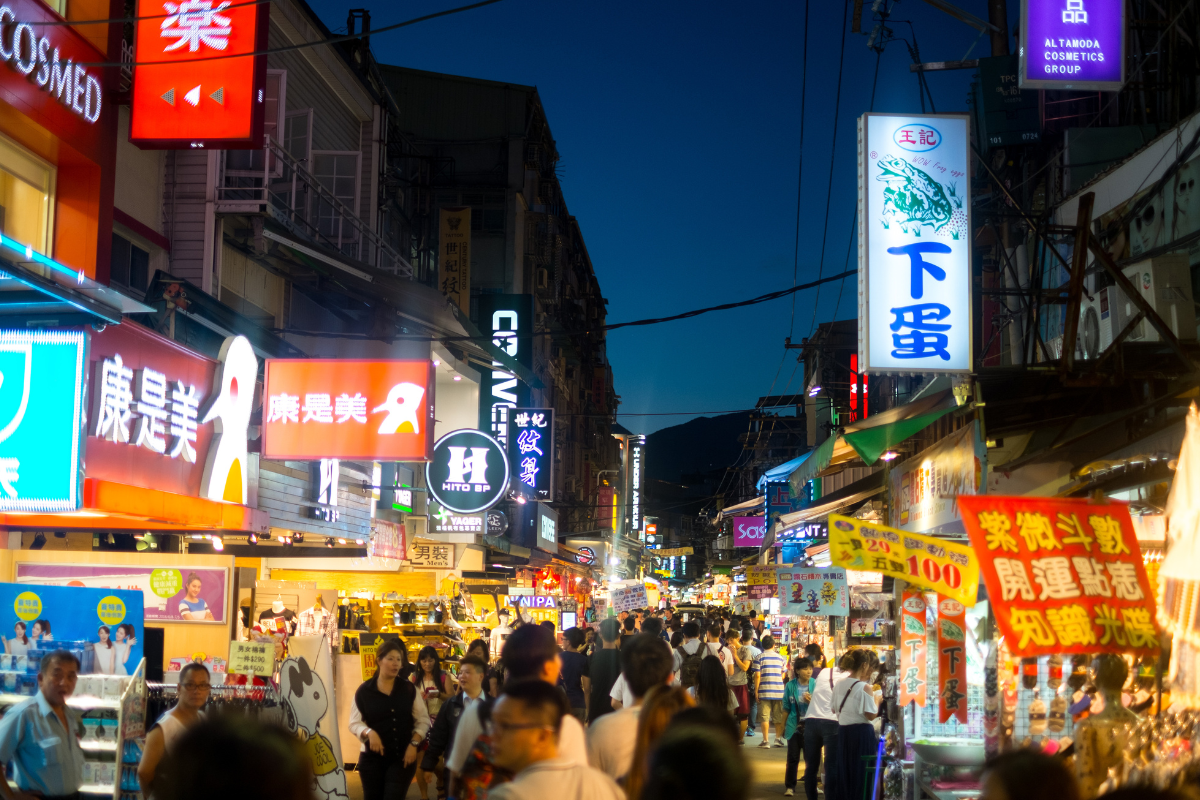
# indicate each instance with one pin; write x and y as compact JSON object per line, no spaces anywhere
{"x":854,"y":700}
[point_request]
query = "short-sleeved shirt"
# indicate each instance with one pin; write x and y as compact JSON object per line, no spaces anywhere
{"x":47,"y":757}
{"x":858,"y":703}
{"x":194,"y":606}
{"x":574,"y":668}
{"x":723,"y":654}
{"x":770,"y":666}
{"x":740,"y":676}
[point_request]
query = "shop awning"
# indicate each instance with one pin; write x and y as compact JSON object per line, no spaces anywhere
{"x":37,"y":290}
{"x":834,"y":504}
{"x":782,"y":472}
{"x":747,"y":507}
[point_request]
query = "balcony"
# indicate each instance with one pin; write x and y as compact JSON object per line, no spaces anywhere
{"x":271,"y":182}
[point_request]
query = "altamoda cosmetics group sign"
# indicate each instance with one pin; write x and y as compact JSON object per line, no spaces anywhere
{"x":1072,"y":44}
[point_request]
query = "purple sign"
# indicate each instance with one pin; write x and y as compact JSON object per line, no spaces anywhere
{"x":749,"y":531}
{"x":1072,"y":44}
{"x":761,"y":592}
{"x":171,"y":594}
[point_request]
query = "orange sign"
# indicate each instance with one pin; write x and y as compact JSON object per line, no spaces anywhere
{"x":347,"y":408}
{"x":913,"y":648}
{"x":197,"y":83}
{"x":1064,"y":575}
{"x":952,"y":660}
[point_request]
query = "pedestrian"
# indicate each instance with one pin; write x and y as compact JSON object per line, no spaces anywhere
{"x":604,"y":670}
{"x":40,"y":736}
{"x":646,"y":664}
{"x":471,"y":674}
{"x":659,"y":706}
{"x":526,"y":727}
{"x":194,"y":688}
{"x":630,"y":626}
{"x":695,"y":762}
{"x":715,"y":648}
{"x":821,"y":730}
{"x":689,"y":655}
{"x":589,"y":644}
{"x":796,"y":696}
{"x":435,"y":688}
{"x":768,"y":688}
{"x":620,"y":695}
{"x":856,"y":706}
{"x":233,"y":756}
{"x":529,"y":654}
{"x":575,"y":672}
{"x":812,"y":652}
{"x":390,"y":718}
{"x":676,"y":640}
{"x":752,"y":717}
{"x":712,"y":687}
{"x":739,"y":680}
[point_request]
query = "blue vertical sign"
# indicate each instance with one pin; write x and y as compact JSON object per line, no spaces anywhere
{"x":914,"y":243}
{"x":531,"y":452}
{"x":41,"y":419}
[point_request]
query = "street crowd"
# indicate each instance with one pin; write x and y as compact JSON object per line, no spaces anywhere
{"x":647,"y":705}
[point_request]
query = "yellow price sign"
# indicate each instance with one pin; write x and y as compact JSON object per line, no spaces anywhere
{"x":252,"y":658}
{"x":948,"y":568}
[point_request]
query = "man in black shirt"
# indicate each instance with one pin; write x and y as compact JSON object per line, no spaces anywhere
{"x":574,"y":673}
{"x":603,"y":670}
{"x":630,"y":626}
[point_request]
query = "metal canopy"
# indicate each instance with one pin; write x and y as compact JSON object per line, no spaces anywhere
{"x":46,"y":295}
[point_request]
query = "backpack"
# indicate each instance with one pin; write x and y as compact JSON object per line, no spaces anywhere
{"x":689,"y":670}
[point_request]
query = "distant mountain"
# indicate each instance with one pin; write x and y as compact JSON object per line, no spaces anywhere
{"x":700,"y":445}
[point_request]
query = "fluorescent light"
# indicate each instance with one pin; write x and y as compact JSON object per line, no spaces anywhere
{"x":458,"y":377}
{"x":889,"y":455}
{"x":813,"y":392}
{"x":341,"y":541}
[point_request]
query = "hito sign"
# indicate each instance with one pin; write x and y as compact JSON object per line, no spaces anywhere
{"x":198,"y":82}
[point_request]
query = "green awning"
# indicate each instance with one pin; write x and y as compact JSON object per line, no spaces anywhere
{"x":871,"y":443}
{"x":812,"y":465}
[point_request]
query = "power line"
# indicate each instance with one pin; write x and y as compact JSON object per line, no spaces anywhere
{"x":800,"y":171}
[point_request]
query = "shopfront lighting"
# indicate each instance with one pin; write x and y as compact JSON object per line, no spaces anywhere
{"x":437,"y":362}
{"x":217,"y":544}
{"x":329,"y":542}
{"x":458,"y":377}
{"x":343,"y":541}
{"x":889,"y":455}
{"x":297,"y":537}
{"x":520,"y":500}
{"x":252,"y":539}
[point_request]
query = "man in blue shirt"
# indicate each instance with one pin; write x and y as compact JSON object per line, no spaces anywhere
{"x":40,"y":736}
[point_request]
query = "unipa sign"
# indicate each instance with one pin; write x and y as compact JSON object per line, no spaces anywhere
{"x":915,"y":258}
{"x":749,"y":531}
{"x":469,"y":471}
{"x":1072,"y":44}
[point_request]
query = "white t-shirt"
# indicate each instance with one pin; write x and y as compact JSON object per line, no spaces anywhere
{"x":724,"y":654}
{"x":611,"y":740}
{"x":558,"y":778}
{"x":821,"y":705}
{"x":622,"y":693}
{"x":861,"y":701}
{"x":572,"y":744}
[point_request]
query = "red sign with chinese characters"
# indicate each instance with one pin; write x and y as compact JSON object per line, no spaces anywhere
{"x":1064,"y":575}
{"x":913,"y":646}
{"x":952,"y":660}
{"x":197,"y":82}
{"x":347,"y":408}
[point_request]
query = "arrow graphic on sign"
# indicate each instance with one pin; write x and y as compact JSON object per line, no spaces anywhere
{"x":193,"y":96}
{"x":169,"y":96}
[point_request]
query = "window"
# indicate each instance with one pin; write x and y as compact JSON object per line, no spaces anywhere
{"x":487,"y":211}
{"x":337,"y":172}
{"x":130,"y":266}
{"x":297,"y":136}
{"x":26,"y":196}
{"x":249,"y":163}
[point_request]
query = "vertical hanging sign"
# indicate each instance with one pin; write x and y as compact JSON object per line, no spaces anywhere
{"x":531,"y":452}
{"x":913,"y":647}
{"x":914,"y":265}
{"x":454,"y":256}
{"x":952,"y":660}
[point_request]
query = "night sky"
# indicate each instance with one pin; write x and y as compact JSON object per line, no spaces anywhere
{"x":678,"y":124}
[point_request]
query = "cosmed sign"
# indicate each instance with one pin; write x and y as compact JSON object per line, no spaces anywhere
{"x":914,"y":267}
{"x":1072,"y":44}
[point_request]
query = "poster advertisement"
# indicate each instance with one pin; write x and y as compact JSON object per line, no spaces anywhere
{"x":944,"y":567}
{"x":169,"y":594}
{"x":628,"y":597}
{"x":109,"y":620}
{"x":1065,"y":575}
{"x":809,"y":592}
{"x":923,"y":488}
{"x":760,"y":575}
{"x":761,"y":591}
{"x":952,"y":660}
{"x":913,"y":646}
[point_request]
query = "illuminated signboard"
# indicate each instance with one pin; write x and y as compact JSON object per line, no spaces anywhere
{"x":197,"y":82}
{"x":443,"y":520}
{"x":914,"y":268}
{"x":348,"y":409}
{"x":635,"y":480}
{"x":749,"y":531}
{"x":468,"y":472}
{"x":1072,"y":44}
{"x":531,"y":452}
{"x":41,"y":399}
{"x":547,"y":528}
{"x":586,"y":555}
{"x":509,"y":320}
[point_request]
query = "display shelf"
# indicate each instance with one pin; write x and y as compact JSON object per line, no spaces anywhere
{"x":96,"y":788}
{"x":98,"y":747}
{"x":83,"y":703}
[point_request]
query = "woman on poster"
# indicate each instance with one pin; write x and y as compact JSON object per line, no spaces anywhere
{"x":192,"y":606}
{"x":20,"y":643}
{"x":125,"y":640}
{"x":106,"y":652}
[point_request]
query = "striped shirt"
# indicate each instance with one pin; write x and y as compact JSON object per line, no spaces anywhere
{"x":771,"y":666}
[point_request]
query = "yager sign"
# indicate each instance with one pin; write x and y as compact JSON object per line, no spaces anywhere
{"x":749,"y":531}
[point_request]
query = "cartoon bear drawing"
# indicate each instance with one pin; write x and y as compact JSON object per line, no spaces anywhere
{"x":305,"y":703}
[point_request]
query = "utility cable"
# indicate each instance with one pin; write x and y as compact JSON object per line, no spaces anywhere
{"x":800,"y":171}
{"x":833,"y":150}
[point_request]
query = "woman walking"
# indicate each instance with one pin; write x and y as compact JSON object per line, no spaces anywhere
{"x":435,"y":687}
{"x":854,"y":702}
{"x":390,"y":718}
{"x":712,"y":687}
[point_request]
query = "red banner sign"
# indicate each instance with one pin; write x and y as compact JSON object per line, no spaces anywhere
{"x":952,"y":660}
{"x":1064,"y":575}
{"x":913,"y":648}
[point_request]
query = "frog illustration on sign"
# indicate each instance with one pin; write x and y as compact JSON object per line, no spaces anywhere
{"x":913,"y":198}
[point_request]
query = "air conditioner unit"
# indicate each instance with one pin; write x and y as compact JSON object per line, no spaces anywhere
{"x":1166,"y":284}
{"x":1095,"y":324}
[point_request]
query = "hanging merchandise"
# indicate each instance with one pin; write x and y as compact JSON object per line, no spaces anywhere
{"x":952,"y":660}
{"x":991,"y":704}
{"x":1057,"y":719}
{"x":1037,"y":715}
{"x":913,"y":645}
{"x":1055,"y":667}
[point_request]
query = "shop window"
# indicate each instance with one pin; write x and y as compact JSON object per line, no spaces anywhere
{"x":26,"y":196}
{"x":130,"y":266}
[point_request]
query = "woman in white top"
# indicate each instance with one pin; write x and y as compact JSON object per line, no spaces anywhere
{"x":854,"y":704}
{"x":20,"y":643}
{"x":106,"y":654}
{"x":194,"y":688}
{"x":125,"y":640}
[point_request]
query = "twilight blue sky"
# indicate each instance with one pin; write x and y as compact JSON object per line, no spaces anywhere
{"x":678,"y":124}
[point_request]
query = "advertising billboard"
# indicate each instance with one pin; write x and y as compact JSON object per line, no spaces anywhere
{"x":36,"y":619}
{"x":198,"y":83}
{"x":749,"y":531}
{"x":531,"y":452}
{"x":914,"y":266}
{"x":508,"y":319}
{"x":169,"y":594}
{"x":468,"y":472}
{"x":1072,"y":44}
{"x":358,"y":410}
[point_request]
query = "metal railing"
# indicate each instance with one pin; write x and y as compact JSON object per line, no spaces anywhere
{"x":270,"y":181}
